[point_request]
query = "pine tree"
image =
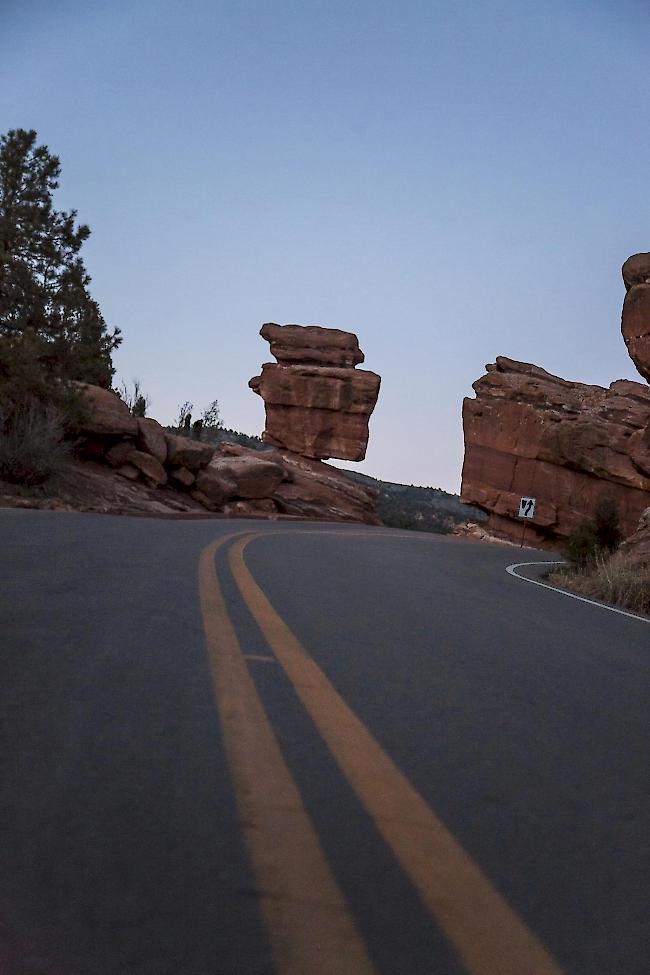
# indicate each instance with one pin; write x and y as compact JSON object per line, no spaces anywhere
{"x":51,"y":329}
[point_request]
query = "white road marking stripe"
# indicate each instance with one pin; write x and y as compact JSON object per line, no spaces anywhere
{"x":564,"y":592}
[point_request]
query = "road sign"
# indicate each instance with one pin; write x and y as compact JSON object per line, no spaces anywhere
{"x":527,"y":507}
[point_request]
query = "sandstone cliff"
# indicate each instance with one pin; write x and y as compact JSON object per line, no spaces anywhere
{"x":566,"y":443}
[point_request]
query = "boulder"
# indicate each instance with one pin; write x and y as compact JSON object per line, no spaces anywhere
{"x":151,"y":438}
{"x":264,"y":508}
{"x":106,"y":415}
{"x":312,"y":345}
{"x":183,"y":452}
{"x":181,"y":476}
{"x":152,"y":469}
{"x":253,"y":475}
{"x":637,"y":547}
{"x":529,"y":433}
{"x":130,"y":472}
{"x":309,"y":489}
{"x":636,"y":270}
{"x":204,"y":500}
{"x":317,"y":404}
{"x":313,"y":489}
{"x":91,"y":448}
{"x":216,"y":485}
{"x":119,"y":453}
{"x":635,"y":327}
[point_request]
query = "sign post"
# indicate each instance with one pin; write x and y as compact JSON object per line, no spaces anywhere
{"x":526,"y":510}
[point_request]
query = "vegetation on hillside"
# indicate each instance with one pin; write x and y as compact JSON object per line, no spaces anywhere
{"x":598,"y":569}
{"x":595,"y":537}
{"x":51,"y":329}
{"x":425,"y":509}
{"x":613,"y":578}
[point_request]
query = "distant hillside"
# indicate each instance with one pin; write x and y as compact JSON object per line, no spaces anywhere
{"x":234,"y":436}
{"x":421,"y":508}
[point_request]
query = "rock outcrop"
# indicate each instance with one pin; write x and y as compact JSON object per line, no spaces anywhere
{"x":529,"y":433}
{"x":310,"y":488}
{"x":317,"y":403}
{"x":153,"y":470}
{"x":637,"y":547}
{"x":570,"y":445}
{"x":635,"y":321}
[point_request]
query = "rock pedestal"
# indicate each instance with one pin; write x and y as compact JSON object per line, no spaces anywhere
{"x":317,"y":403}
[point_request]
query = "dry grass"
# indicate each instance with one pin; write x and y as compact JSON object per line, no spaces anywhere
{"x":615,"y":579}
{"x":32,"y":448}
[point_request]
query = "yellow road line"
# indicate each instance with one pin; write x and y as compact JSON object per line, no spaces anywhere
{"x":487,"y":934}
{"x":310,"y":925}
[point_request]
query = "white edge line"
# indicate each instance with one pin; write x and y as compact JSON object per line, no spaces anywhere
{"x":563,"y":592}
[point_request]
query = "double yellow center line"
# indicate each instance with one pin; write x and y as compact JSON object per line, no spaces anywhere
{"x":311,"y":927}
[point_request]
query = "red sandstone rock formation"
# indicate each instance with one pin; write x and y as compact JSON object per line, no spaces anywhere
{"x":635,"y":321}
{"x":529,"y":433}
{"x":567,"y":444}
{"x":317,"y":404}
{"x":310,"y":488}
{"x":637,"y":547}
{"x":135,"y":465}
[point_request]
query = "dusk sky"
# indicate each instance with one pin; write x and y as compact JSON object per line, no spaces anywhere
{"x":450,"y":180}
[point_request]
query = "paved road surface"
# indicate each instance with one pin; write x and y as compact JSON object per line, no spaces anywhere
{"x":245,"y":747}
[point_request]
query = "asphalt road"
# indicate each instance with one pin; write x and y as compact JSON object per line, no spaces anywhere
{"x":238,"y":747}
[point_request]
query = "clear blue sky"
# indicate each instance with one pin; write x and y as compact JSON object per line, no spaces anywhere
{"x":450,"y":180}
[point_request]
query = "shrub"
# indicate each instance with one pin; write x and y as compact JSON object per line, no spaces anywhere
{"x":614,"y":578}
{"x":582,"y":544}
{"x":137,"y":401}
{"x":596,"y":536}
{"x":608,"y":529}
{"x":32,"y":448}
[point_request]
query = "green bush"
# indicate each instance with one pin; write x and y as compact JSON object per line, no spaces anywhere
{"x":608,"y":529}
{"x":595,"y":536}
{"x":582,"y":544}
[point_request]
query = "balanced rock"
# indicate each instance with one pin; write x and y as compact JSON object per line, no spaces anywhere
{"x":570,"y":445}
{"x":312,"y":345}
{"x":317,"y":404}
